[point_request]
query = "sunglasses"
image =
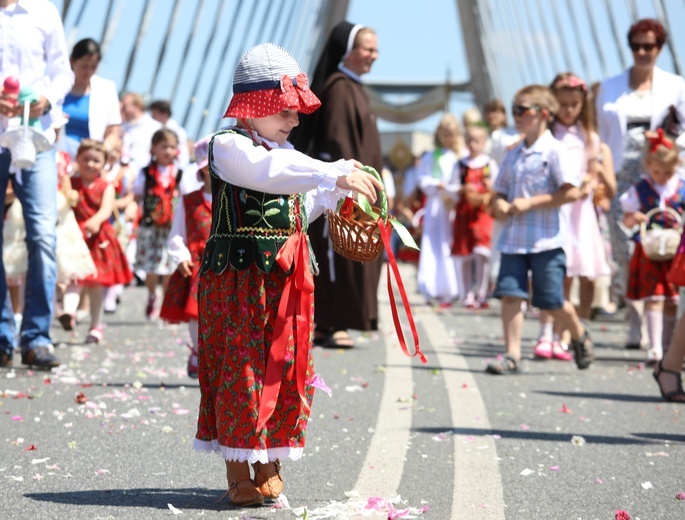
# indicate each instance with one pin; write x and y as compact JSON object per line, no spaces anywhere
{"x":519,"y":110}
{"x":647,"y":47}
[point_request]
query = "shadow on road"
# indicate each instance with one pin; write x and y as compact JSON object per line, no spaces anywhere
{"x":182,"y":498}
{"x":542,"y":436}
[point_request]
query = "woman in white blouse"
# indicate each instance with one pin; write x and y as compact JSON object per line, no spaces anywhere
{"x":92,"y":105}
{"x":636,"y":100}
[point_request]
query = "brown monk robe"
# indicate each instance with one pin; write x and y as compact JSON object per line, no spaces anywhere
{"x":343,"y":128}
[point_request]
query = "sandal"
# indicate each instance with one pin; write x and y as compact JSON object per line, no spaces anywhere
{"x":676,"y":395}
{"x":504,"y":366}
{"x":94,"y":335}
{"x":340,"y":339}
{"x":583,"y":351}
{"x":267,"y":479}
{"x":321,"y":336}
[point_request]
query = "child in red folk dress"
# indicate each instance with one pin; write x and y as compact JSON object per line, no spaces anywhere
{"x":155,"y":188}
{"x":186,"y":244}
{"x":93,"y":211}
{"x":660,"y":188}
{"x":473,"y":224}
{"x":255,"y":294}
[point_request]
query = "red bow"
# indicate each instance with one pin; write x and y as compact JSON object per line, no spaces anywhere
{"x":296,"y":93}
{"x":658,"y":140}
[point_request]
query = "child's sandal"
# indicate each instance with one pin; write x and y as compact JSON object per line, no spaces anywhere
{"x":505,"y":366}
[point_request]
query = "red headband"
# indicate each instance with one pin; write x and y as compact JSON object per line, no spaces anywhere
{"x":570,"y":82}
{"x":658,"y":140}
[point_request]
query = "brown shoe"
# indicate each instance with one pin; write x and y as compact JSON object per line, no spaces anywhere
{"x":244,"y":493}
{"x":6,"y":359}
{"x":267,"y":479}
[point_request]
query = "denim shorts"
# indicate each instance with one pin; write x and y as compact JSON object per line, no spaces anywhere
{"x":548,"y":269}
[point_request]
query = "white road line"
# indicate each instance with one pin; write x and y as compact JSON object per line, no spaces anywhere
{"x":477,"y":480}
{"x":382,"y":469}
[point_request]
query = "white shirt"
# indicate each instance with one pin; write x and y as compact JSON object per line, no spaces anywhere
{"x":177,"y":243}
{"x":281,"y":170}
{"x":33,"y":48}
{"x":137,"y":140}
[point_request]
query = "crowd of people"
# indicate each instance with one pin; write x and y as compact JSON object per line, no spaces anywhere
{"x":587,"y":184}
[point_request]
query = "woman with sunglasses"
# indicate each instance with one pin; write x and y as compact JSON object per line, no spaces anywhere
{"x":637,"y":100}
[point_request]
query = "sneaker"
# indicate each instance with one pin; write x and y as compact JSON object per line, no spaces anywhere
{"x":543,"y":349}
{"x":39,"y":357}
{"x":560,"y":351}
{"x":583,"y":351}
{"x":95,"y":335}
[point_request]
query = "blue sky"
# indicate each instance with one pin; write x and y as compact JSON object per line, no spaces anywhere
{"x":417,"y":41}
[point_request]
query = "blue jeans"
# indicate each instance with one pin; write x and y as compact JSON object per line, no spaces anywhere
{"x":38,"y":196}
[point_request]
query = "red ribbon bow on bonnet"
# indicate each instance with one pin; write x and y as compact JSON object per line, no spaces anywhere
{"x":296,"y":92}
{"x":658,"y":140}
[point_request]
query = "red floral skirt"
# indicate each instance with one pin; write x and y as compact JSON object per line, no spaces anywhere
{"x":109,"y":259}
{"x":237,"y":314}
{"x":648,"y":279}
{"x":180,"y":297}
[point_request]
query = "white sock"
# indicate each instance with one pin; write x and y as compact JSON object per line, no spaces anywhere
{"x":71,"y":298}
{"x":546,"y":331}
{"x":655,"y":329}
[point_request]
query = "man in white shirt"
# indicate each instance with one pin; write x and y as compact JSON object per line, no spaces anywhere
{"x":138,"y":128}
{"x":160,"y":110}
{"x":33,"y":49}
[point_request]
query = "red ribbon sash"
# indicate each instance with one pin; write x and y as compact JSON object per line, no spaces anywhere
{"x":295,"y":307}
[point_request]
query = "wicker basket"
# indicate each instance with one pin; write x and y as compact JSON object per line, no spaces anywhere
{"x":660,"y":245}
{"x":356,"y":236}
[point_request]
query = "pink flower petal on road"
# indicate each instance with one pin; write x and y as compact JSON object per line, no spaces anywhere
{"x":622,"y":515}
{"x":17,"y":418}
{"x":565,"y":409}
{"x":680,"y":495}
{"x":525,"y":427}
{"x":30,"y":447}
{"x":554,"y":468}
{"x":181,"y":411}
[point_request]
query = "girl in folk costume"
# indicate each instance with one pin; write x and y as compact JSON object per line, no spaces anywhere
{"x":586,"y":256}
{"x":155,"y":188}
{"x":660,"y":188}
{"x":93,"y":211}
{"x":437,"y":273}
{"x":473,"y":225}
{"x":187,"y":238}
{"x":255,"y":292}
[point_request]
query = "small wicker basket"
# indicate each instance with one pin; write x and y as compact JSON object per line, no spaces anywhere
{"x":659,"y":244}
{"x":356,"y":235}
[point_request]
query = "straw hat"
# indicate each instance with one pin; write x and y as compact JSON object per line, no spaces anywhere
{"x":267,"y":81}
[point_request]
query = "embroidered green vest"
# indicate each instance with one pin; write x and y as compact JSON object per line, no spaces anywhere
{"x":248,"y":227}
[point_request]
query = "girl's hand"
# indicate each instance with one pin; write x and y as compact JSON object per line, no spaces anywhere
{"x":91,"y":226}
{"x":186,"y":268}
{"x":72,"y":198}
{"x":362,"y":182}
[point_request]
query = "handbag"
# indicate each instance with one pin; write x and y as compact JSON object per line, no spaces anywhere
{"x":671,"y":124}
{"x":660,"y":244}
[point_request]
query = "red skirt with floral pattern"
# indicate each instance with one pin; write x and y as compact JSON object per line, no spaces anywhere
{"x":648,"y":279}
{"x":237,"y":314}
{"x":180,"y":302}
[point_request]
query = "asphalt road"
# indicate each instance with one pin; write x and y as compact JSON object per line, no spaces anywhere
{"x":449,"y":440}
